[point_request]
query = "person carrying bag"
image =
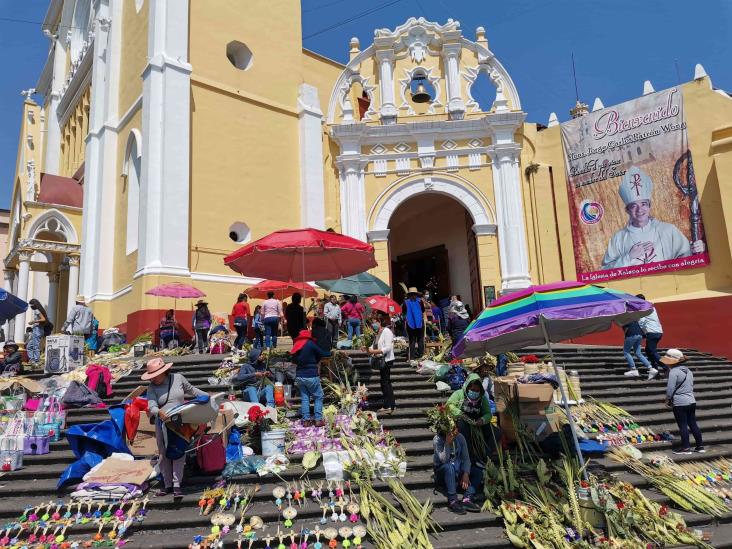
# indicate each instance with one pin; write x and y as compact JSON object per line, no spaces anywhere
{"x":680,"y":397}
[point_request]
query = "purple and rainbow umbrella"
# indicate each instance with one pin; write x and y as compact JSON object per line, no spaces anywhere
{"x":550,"y":313}
{"x":539,"y":315}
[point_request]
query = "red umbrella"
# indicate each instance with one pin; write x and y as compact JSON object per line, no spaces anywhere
{"x":384,"y":304}
{"x":281,"y":289}
{"x":302,"y":254}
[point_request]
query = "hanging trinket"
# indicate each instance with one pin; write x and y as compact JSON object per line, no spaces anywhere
{"x":359,"y":533}
{"x":345,"y":532}
{"x":353,"y":509}
{"x":289,"y":514}
{"x":331,"y":534}
{"x":317,"y":533}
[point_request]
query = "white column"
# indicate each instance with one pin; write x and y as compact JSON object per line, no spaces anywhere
{"x":451,"y":58}
{"x":53,"y":126}
{"x":22,"y":291}
{"x":8,"y":287}
{"x":388,"y":110}
{"x":73,"y":281}
{"x":312,"y":189}
{"x":353,"y":197}
{"x":52,"y":305}
{"x":97,"y":205}
{"x":165,"y":184}
{"x":514,"y":257}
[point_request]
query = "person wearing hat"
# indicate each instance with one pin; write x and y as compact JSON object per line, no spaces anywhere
{"x":166,"y":391}
{"x":680,"y":397}
{"x":644,"y":239}
{"x":413,"y":310}
{"x":253,"y":376}
{"x":79,"y":320}
{"x":458,"y":320}
{"x":201,"y":324}
{"x":307,"y":356}
{"x":12,"y":364}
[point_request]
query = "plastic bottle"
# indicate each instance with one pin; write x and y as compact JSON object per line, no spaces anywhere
{"x":279,"y":394}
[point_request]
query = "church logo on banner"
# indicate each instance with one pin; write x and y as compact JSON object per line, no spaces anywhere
{"x":632,"y":192}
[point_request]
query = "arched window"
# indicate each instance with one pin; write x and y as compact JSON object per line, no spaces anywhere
{"x":483,"y":91}
{"x":131,"y":173}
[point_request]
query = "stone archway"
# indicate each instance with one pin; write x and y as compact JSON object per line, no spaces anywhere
{"x":462,"y":191}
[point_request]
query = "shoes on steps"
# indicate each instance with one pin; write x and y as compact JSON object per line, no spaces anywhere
{"x":700,"y":450}
{"x":456,"y":507}
{"x":652,"y":373}
{"x":632,"y":373}
{"x":469,"y":506}
{"x":683,"y":451}
{"x":163,"y":492}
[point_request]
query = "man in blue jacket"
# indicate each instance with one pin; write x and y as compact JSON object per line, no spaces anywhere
{"x":252,"y":377}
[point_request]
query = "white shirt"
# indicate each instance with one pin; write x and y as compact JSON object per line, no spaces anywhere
{"x":668,"y":243}
{"x":650,"y":324}
{"x":332,"y":311}
{"x":386,"y":344}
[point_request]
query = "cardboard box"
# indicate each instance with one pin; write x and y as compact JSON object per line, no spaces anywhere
{"x":144,"y":444}
{"x":541,"y":425}
{"x":533,"y":398}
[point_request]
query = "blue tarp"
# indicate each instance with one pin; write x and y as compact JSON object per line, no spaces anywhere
{"x":93,"y":442}
{"x":10,"y":306}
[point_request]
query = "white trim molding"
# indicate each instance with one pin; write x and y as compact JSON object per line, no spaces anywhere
{"x":472,"y":201}
{"x":225,"y":279}
{"x":483,"y":230}
{"x":66,"y":225}
{"x":111,"y":297}
{"x":312,"y":187}
{"x":378,"y":236}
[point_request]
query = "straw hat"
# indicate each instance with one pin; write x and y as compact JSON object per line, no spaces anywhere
{"x":413,"y":290}
{"x":80,"y":299}
{"x":673,"y":356}
{"x":155,"y":367}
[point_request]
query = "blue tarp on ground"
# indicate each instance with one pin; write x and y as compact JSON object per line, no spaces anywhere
{"x":92,"y":443}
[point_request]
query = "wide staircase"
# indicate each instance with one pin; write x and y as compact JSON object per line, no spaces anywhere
{"x":173,"y":525}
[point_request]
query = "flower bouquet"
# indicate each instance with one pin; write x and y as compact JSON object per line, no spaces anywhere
{"x":440,"y":419}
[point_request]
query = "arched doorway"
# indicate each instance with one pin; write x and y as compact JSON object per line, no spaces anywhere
{"x":432,"y":246}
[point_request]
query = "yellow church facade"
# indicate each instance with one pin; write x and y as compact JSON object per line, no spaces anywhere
{"x":193,"y":128}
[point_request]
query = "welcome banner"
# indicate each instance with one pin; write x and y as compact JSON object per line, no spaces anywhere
{"x":632,"y":192}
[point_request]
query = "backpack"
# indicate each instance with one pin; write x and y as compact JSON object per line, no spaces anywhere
{"x":210,"y":454}
{"x":456,"y":377}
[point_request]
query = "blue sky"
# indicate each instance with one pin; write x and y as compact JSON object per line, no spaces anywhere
{"x":617,"y":45}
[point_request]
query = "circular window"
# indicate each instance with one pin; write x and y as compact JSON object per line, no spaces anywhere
{"x":240,"y":233}
{"x":239,"y":55}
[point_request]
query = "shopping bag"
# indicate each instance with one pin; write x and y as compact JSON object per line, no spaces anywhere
{"x":51,"y":421}
{"x":11,"y":452}
{"x":36,"y":445}
{"x":12,"y":402}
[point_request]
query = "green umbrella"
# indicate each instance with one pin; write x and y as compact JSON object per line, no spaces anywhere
{"x":362,"y":285}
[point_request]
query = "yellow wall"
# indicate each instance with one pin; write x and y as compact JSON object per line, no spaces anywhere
{"x":134,"y":54}
{"x":124,"y":265}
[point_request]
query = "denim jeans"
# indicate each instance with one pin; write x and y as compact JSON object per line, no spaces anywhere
{"x":310,"y":387}
{"x":202,"y":339}
{"x":34,"y":345}
{"x":652,"y":340}
{"x":686,"y":420}
{"x":271,"y":326}
{"x":241,"y":332}
{"x":633,"y":343}
{"x":353,"y":325}
{"x":254,"y":394}
{"x":448,"y":475}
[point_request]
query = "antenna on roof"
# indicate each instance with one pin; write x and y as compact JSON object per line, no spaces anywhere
{"x":574,"y":76}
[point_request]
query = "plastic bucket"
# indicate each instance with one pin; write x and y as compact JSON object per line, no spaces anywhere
{"x":288,"y":392}
{"x":273,"y":442}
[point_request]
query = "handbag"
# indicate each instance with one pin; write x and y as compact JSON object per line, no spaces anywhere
{"x":34,"y":445}
{"x":51,"y":421}
{"x":376,"y":361}
{"x":13,"y":402}
{"x":11,"y":452}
